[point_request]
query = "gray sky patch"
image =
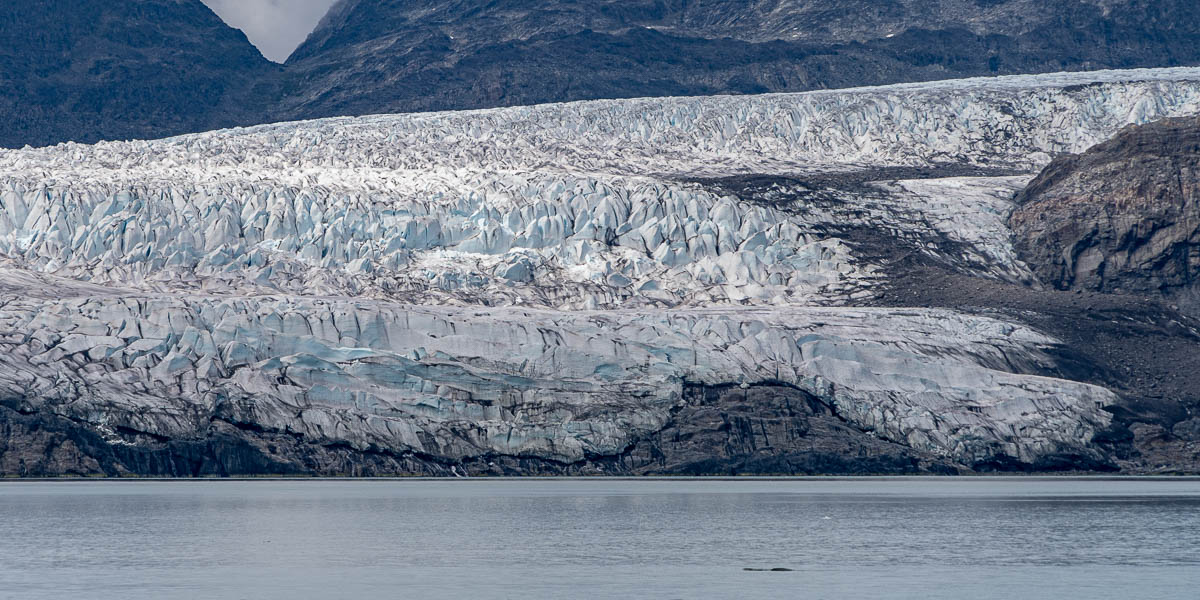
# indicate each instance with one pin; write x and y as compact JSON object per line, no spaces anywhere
{"x":277,"y":27}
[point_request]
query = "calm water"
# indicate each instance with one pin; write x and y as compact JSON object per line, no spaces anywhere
{"x":859,"y":538}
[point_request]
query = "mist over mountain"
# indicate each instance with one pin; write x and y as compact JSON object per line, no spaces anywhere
{"x":275,"y":27}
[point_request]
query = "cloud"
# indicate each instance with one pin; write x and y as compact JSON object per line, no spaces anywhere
{"x":277,"y":27}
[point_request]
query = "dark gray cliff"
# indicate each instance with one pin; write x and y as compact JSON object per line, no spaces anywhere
{"x":375,"y":56}
{"x":1119,"y":226}
{"x":1123,"y":216}
{"x":88,"y":70}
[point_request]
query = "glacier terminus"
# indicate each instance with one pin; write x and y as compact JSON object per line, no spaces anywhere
{"x":675,"y":285}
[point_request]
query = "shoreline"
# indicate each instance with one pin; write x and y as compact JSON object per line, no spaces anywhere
{"x":656,"y":478}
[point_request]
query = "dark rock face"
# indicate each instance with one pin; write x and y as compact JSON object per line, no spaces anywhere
{"x":1120,"y":226}
{"x":1123,"y":216}
{"x":768,"y":430}
{"x":372,"y":56}
{"x":1143,"y":350}
{"x":88,"y":70}
{"x":715,"y":431}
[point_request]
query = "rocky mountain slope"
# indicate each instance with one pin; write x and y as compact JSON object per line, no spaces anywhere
{"x":92,"y":70}
{"x":1125,"y":215}
{"x":681,"y":285}
{"x":88,"y":70}
{"x":375,"y":56}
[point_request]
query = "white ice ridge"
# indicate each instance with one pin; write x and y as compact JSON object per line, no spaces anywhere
{"x":369,"y":280}
{"x":578,"y":205}
{"x":464,"y":383}
{"x":1014,"y":120}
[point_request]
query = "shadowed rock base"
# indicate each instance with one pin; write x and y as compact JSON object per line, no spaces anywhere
{"x":762,"y":430}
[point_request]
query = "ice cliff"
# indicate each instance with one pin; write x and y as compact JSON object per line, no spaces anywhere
{"x":546,"y":283}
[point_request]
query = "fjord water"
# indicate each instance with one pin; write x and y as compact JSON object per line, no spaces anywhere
{"x":1024,"y":538}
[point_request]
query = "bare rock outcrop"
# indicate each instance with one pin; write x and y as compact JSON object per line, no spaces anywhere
{"x":1122,"y":217}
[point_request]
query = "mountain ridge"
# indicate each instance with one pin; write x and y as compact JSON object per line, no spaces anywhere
{"x":460,"y":55}
{"x":173,"y":67}
{"x":92,"y":70}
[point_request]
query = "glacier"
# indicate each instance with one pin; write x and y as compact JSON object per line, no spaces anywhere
{"x":544,"y":285}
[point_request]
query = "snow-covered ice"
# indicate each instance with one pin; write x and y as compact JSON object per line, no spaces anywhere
{"x":543,"y":281}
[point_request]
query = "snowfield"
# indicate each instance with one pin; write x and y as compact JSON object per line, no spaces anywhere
{"x":545,"y":281}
